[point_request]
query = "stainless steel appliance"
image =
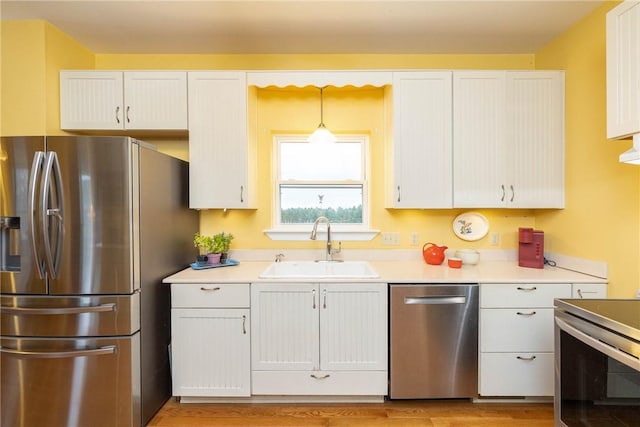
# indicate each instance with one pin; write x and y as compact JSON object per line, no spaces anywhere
{"x":597,"y":366}
{"x":89,"y":226}
{"x":433,"y":341}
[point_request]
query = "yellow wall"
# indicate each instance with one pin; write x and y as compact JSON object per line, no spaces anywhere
{"x":32,"y":55}
{"x":310,"y":62}
{"x":601,"y":220}
{"x":22,"y":80}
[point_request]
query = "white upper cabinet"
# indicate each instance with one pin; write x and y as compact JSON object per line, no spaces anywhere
{"x":535,"y":139}
{"x":422,"y":168}
{"x":623,"y":70}
{"x":116,"y":100}
{"x":479,"y":155}
{"x":508,"y":139}
{"x":219,"y":152}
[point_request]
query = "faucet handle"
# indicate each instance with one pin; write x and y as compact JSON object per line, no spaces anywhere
{"x":337,"y":251}
{"x":279,"y":257}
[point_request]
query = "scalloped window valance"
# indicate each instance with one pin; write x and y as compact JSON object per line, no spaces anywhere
{"x":319,"y":78}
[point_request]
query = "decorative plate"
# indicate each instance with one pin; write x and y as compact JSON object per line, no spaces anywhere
{"x":471,"y":226}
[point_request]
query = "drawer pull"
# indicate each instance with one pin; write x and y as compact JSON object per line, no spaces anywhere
{"x":528,"y":359}
{"x":324,"y":377}
{"x":217,"y":288}
{"x":519,"y":313}
{"x":533,"y":288}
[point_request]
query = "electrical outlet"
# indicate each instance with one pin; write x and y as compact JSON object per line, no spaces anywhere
{"x":495,"y":239}
{"x":390,"y":238}
{"x":414,"y":238}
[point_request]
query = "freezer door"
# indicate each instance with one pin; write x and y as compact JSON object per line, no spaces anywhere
{"x":21,"y":259}
{"x":99,"y":181}
{"x":49,"y":316}
{"x":70,"y":382}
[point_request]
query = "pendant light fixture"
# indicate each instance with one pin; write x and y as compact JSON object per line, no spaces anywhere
{"x":321,"y":135}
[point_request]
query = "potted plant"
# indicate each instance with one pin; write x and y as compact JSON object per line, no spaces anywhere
{"x":206,"y":248}
{"x":221,"y":243}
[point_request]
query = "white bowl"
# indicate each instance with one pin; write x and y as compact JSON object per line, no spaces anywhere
{"x":468,"y":256}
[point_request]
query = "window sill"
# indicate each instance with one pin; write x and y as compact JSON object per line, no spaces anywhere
{"x":337,"y":233}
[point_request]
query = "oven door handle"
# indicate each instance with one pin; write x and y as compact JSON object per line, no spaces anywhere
{"x":610,"y":351}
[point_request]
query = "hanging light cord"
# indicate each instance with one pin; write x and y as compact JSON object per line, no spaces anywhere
{"x":322,"y":107}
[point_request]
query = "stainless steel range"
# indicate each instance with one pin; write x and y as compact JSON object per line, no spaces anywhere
{"x":597,"y":372}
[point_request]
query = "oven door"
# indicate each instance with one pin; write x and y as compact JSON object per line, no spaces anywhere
{"x":597,"y":375}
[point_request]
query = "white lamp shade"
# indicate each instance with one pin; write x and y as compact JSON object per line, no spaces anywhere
{"x":322,"y":135}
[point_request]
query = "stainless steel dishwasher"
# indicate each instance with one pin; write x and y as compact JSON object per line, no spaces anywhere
{"x":433,"y":341}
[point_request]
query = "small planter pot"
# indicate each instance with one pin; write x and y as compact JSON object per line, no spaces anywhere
{"x":202,"y":260}
{"x":213,"y":259}
{"x":224,"y":257}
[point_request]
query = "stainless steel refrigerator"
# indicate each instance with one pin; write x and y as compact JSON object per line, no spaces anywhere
{"x":89,"y":226}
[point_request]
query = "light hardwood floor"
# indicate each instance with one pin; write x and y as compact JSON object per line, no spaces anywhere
{"x":431,"y":413}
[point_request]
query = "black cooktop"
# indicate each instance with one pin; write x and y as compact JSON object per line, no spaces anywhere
{"x":619,"y":315}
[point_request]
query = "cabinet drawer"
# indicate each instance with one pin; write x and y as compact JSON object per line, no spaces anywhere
{"x":202,"y":295}
{"x":500,"y":295}
{"x":516,"y":374}
{"x":352,"y":383}
{"x":523,"y":329}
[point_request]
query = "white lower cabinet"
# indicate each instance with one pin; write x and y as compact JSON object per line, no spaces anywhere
{"x":210,"y":344}
{"x":517,"y":335}
{"x":516,"y":338}
{"x":319,"y":339}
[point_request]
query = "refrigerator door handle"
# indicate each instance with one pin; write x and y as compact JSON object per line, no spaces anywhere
{"x":110,"y":349}
{"x":36,"y":165}
{"x":52,"y":173}
{"x":61,"y":310}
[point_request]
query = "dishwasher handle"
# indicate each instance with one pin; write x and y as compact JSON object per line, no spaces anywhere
{"x":435,"y":300}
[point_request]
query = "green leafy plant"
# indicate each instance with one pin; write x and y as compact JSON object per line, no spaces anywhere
{"x":203,"y":243}
{"x":222,"y":241}
{"x":216,"y":244}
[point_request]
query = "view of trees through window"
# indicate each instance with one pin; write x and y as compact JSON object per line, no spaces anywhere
{"x":321,"y":180}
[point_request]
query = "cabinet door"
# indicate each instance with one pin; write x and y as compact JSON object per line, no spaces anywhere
{"x":589,"y":291}
{"x":285,"y":327}
{"x":353,"y":327}
{"x":218,"y":145}
{"x":422,"y":164}
{"x":155,"y":100}
{"x":623,"y":70}
{"x":535,"y":139}
{"x":210,"y":351}
{"x":91,"y":100}
{"x":479,"y":154}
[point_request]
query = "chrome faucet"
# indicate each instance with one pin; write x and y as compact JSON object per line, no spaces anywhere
{"x":330,"y":251}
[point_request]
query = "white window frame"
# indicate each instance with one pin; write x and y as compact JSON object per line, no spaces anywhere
{"x":338,"y":231}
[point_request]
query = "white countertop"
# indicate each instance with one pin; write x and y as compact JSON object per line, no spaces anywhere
{"x":399,"y":272}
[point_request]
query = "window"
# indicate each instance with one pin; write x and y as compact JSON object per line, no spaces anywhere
{"x":313,"y":180}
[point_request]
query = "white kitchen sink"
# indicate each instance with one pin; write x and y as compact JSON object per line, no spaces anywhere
{"x":319,"y":270}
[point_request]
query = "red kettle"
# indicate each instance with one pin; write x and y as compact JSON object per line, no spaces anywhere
{"x":433,"y":254}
